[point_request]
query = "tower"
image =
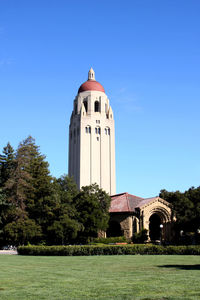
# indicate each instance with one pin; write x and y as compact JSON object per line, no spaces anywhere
{"x":92,"y":137}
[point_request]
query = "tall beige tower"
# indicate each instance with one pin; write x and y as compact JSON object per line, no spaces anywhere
{"x":92,"y":137}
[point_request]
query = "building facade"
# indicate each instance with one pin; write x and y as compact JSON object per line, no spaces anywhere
{"x":92,"y":137}
{"x":129,"y":214}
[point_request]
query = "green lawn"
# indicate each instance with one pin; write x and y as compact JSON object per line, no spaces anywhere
{"x":100,"y":277}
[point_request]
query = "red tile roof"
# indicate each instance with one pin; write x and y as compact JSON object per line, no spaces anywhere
{"x":124,"y":203}
{"x":128,"y":203}
{"x":146,"y":201}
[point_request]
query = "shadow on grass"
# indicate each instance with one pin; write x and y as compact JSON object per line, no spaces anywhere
{"x":182,"y":267}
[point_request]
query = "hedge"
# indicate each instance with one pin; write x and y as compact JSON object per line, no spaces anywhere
{"x":87,"y":250}
{"x":110,"y":240}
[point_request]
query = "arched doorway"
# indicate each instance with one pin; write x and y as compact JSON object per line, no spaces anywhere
{"x":114,"y":229}
{"x":154,"y":227}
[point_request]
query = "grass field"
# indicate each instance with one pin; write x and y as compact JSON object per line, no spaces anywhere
{"x":100,"y":277}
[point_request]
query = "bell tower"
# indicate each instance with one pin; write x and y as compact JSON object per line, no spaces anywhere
{"x":92,"y":137}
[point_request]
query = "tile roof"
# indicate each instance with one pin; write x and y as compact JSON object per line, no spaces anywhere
{"x":146,"y":201}
{"x":124,"y":202}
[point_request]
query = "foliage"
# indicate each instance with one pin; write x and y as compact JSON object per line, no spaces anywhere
{"x":110,"y":240}
{"x":87,"y":250}
{"x":7,"y":164}
{"x":34,"y":207}
{"x":186,"y":207}
{"x":22,"y":231}
{"x":92,"y":205}
{"x":141,"y":236}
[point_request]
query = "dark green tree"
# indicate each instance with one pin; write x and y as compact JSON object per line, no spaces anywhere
{"x":64,"y":226}
{"x":92,"y":205}
{"x":22,"y":231}
{"x":187,"y":209}
{"x":193,"y":194}
{"x":4,"y":207}
{"x":26,"y":188}
{"x":7,"y":164}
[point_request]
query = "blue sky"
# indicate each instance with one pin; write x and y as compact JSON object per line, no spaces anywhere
{"x":145,"y":53}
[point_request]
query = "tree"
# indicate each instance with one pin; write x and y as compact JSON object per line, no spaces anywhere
{"x":26,"y":187}
{"x":7,"y":164}
{"x":64,"y":226}
{"x":193,"y":194}
{"x":18,"y":185}
{"x":92,"y":205}
{"x":22,"y":231}
{"x":4,"y":206}
{"x":186,"y":206}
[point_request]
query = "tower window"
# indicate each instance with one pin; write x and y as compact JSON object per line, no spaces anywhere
{"x":105,"y":130}
{"x":88,"y":129}
{"x":75,"y":108}
{"x":85,"y":105}
{"x":97,"y":130}
{"x":96,"y":106}
{"x":108,"y":131}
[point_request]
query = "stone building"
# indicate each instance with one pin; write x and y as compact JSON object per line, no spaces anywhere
{"x":130,"y":214}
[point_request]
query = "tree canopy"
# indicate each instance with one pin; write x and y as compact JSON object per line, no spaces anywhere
{"x":186,"y":206}
{"x":37,"y":208}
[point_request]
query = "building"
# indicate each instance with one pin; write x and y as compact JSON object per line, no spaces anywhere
{"x":92,"y":137}
{"x":92,"y":160}
{"x":129,"y":214}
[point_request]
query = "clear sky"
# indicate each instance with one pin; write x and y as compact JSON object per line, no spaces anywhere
{"x":146,"y":54}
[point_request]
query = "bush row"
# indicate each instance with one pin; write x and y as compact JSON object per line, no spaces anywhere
{"x":110,"y":240}
{"x":87,"y":250}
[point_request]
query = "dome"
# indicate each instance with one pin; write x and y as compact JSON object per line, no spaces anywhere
{"x":91,"y":85}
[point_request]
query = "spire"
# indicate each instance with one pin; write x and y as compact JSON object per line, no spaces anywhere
{"x":91,"y":74}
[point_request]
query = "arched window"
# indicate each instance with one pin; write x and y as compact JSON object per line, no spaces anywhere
{"x":88,"y":129}
{"x":97,"y":130}
{"x":96,"y":106}
{"x":86,"y":105}
{"x":105,"y":130}
{"x":75,"y":108}
{"x":108,"y":131}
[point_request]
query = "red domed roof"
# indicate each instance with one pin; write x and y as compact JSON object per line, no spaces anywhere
{"x":91,"y":85}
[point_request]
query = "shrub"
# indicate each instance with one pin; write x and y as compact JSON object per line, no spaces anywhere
{"x":87,"y":250}
{"x":110,"y":240}
{"x":141,"y":236}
